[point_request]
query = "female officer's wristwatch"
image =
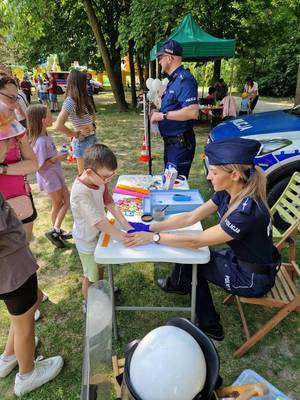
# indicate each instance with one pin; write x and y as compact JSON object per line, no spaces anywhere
{"x":165,"y":115}
{"x":156,"y":238}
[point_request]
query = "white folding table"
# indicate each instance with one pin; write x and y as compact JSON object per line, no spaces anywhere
{"x":117,"y":254}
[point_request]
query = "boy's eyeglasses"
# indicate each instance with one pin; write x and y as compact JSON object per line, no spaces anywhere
{"x":105,"y":178}
{"x":11,"y":98}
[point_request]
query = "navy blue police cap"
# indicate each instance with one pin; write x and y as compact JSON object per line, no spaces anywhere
{"x":171,"y":47}
{"x":232,"y":151}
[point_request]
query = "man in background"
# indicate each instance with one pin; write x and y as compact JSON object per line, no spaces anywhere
{"x":179,"y":108}
{"x":25,"y":86}
{"x":52,"y":90}
{"x":221,"y":89}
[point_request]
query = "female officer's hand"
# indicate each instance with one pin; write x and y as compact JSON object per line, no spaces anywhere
{"x":137,"y":239}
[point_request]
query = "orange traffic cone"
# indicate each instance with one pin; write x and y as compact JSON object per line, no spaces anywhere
{"x":144,"y":152}
{"x":70,"y":156}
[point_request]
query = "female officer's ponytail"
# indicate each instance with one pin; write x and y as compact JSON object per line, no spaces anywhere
{"x":254,"y":182}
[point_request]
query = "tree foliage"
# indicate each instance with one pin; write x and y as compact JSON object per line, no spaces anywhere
{"x":267,"y":33}
{"x":41,"y":27}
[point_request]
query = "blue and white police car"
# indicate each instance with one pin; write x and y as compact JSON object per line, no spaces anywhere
{"x":279,"y":134}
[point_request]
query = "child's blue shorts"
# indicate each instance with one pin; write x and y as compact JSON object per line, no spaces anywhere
{"x":79,"y":146}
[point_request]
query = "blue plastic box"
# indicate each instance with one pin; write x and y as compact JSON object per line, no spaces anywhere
{"x":177,"y":201}
{"x":250,"y":376}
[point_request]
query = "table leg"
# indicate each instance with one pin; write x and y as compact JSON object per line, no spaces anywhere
{"x":193,"y":294}
{"x":114,"y":317}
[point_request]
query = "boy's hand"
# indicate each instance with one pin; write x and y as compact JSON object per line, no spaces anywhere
{"x":137,"y":239}
{"x":138,"y":227}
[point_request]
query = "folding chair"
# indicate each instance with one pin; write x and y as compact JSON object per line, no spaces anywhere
{"x":284,"y":295}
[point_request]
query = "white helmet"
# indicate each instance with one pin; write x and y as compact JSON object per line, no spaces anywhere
{"x":170,"y":363}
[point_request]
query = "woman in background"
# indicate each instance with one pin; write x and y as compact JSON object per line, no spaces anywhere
{"x":251,"y":88}
{"x":19,"y":160}
{"x":19,"y":287}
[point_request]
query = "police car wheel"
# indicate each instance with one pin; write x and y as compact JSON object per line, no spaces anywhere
{"x":273,"y":195}
{"x":59,"y":90}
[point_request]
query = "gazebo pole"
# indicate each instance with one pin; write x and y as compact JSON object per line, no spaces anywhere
{"x":231,"y":74}
{"x":203,"y":86}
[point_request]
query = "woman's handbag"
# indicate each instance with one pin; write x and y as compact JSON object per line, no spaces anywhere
{"x":17,"y":191}
{"x":22,"y":206}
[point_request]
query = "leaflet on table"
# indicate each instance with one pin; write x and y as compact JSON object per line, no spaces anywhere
{"x":169,"y":176}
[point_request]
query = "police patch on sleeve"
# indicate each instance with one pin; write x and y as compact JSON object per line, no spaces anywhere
{"x":191,"y":99}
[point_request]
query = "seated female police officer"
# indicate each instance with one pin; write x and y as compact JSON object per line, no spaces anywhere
{"x":248,"y":266}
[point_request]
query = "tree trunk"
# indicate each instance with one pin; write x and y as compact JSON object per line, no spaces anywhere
{"x":297,"y":94}
{"x":153,"y":69}
{"x":217,"y":71}
{"x":132,"y":73}
{"x":140,"y":68}
{"x":115,"y":81}
{"x":146,"y":66}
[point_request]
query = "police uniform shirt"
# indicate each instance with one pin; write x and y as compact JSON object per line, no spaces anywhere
{"x":250,"y":226}
{"x":181,"y":92}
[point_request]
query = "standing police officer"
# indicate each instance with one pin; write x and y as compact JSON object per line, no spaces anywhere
{"x":179,"y":107}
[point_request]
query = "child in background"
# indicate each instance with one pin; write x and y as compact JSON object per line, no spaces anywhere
{"x":210,"y":100}
{"x":49,"y":175}
{"x":245,"y":104}
{"x":43,"y":91}
{"x":89,"y":198}
{"x":78,"y":109}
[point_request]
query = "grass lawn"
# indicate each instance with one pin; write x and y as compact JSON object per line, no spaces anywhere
{"x":61,"y":328}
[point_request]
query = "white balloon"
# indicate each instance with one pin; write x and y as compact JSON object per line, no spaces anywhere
{"x":165,"y":81}
{"x":156,"y":84}
{"x":149,"y":83}
{"x":151,"y":95}
{"x":168,"y":363}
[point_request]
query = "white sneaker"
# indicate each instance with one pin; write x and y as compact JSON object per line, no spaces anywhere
{"x":44,"y":371}
{"x":45,"y":297}
{"x":7,"y":366}
{"x":37,"y":315}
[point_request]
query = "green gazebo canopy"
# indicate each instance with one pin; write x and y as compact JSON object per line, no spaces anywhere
{"x":196,"y":43}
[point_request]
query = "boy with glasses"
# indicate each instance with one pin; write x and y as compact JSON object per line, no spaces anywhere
{"x":89,"y":198}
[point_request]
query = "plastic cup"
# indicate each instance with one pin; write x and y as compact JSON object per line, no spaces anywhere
{"x":158,"y":214}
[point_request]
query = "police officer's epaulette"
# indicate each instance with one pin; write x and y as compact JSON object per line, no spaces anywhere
{"x":245,"y":206}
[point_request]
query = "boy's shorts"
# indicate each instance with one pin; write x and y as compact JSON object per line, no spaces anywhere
{"x":90,"y":267}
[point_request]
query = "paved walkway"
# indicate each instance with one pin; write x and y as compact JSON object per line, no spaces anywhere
{"x":263,"y":105}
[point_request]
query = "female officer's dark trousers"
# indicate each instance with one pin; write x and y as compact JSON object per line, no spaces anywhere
{"x":224,"y":271}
